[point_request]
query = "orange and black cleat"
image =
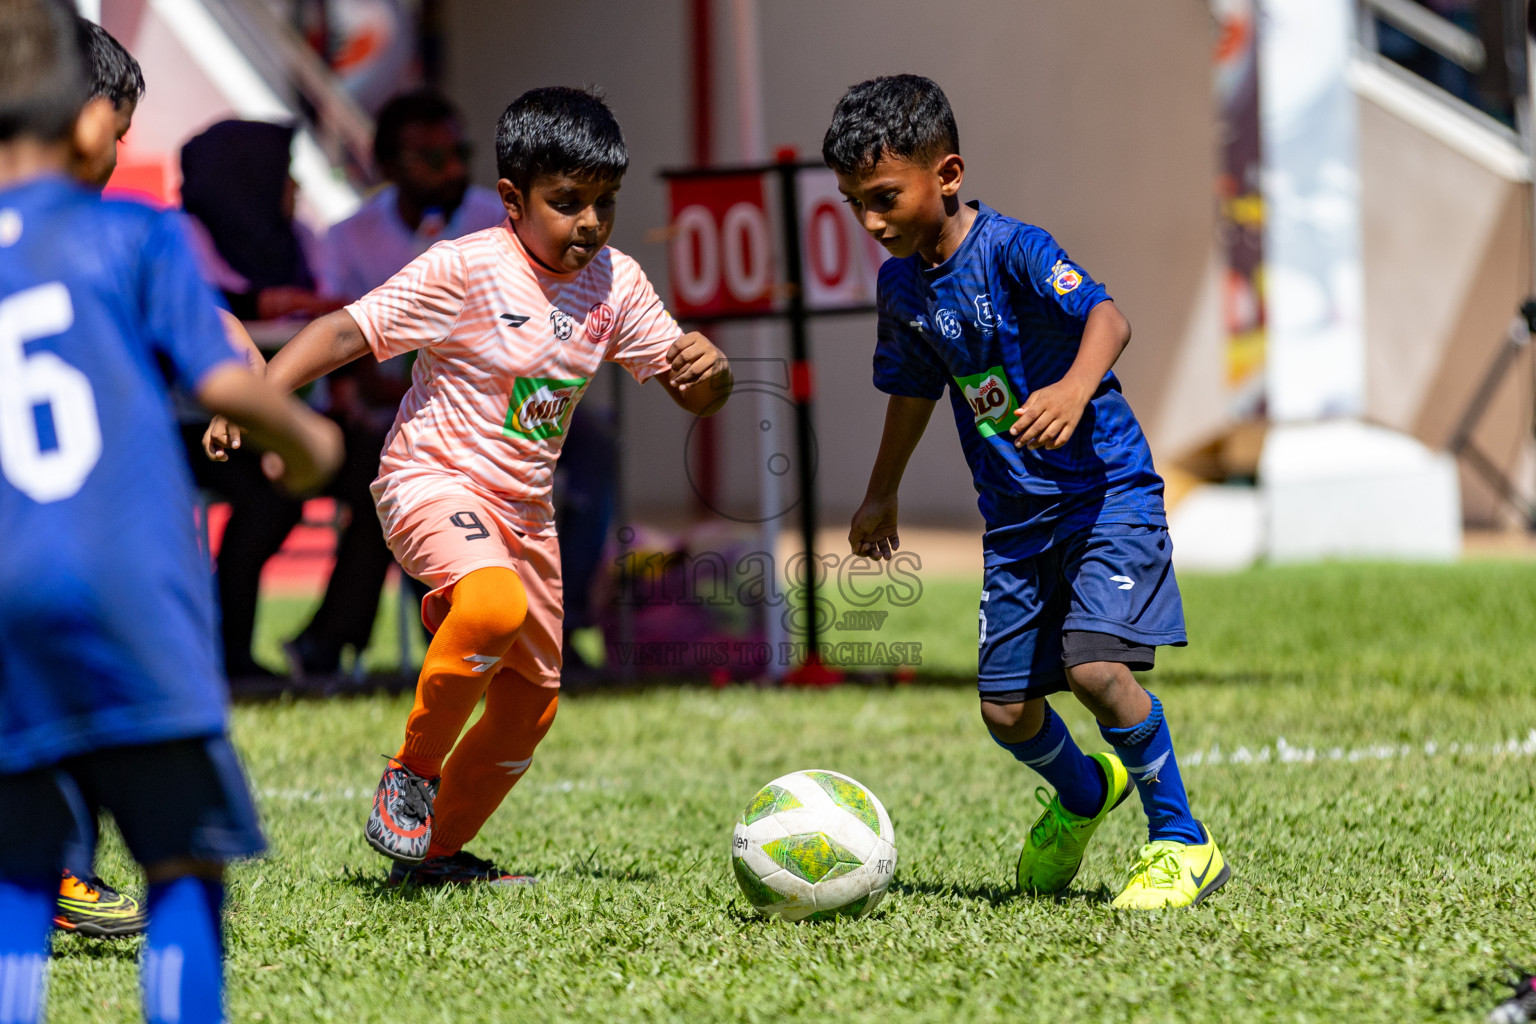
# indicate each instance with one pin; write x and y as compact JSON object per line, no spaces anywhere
{"x":400,"y":824}
{"x":89,"y":906}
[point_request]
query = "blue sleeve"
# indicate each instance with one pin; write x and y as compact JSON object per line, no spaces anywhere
{"x":1035,"y":261}
{"x":904,"y":363}
{"x":180,"y":312}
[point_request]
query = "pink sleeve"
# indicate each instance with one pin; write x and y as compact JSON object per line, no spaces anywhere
{"x":417,"y":307}
{"x":645,"y":331}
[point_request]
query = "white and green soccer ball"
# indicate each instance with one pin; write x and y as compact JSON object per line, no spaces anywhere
{"x":814,"y":844}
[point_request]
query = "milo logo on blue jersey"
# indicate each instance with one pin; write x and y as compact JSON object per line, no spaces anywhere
{"x":990,"y":398}
{"x":541,"y":406}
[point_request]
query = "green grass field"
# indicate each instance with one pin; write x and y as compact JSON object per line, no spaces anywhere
{"x":1358,"y":738}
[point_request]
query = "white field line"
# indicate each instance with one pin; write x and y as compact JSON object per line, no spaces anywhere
{"x":1284,"y":753}
{"x":351,"y":793}
{"x":1278,"y":753}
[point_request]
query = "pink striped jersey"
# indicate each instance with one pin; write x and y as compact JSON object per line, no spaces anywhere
{"x":505,"y":351}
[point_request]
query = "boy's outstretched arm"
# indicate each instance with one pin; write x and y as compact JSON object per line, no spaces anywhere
{"x":240,"y":339}
{"x":873,"y":533}
{"x":700,"y":379}
{"x":308,"y":444}
{"x":328,"y":343}
{"x":1050,"y":415}
{"x":222,"y":435}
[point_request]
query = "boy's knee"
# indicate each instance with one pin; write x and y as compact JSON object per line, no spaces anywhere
{"x":1110,"y":692}
{"x":1099,"y":679}
{"x":490,"y":601}
{"x":1014,"y":723}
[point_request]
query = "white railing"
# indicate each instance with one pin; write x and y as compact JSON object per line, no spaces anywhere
{"x":1424,"y":26}
{"x":280,"y":55}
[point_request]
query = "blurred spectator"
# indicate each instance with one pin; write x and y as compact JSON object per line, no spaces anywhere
{"x":586,"y":486}
{"x":239,"y":199}
{"x":421,"y":153}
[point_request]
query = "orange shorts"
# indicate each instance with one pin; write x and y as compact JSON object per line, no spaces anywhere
{"x":444,"y":539}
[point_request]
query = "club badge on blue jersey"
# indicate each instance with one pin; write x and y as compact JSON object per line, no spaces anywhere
{"x":986,"y":320}
{"x":1065,"y":277}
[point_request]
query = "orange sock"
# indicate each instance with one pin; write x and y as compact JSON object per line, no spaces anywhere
{"x":493,"y":755}
{"x":486,"y":609}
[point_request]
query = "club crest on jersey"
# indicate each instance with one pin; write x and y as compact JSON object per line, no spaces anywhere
{"x":990,"y":398}
{"x":949,"y":323}
{"x":561,"y":323}
{"x":1065,"y":277}
{"x":599,"y":322}
{"x":541,"y":406}
{"x":986,"y":321}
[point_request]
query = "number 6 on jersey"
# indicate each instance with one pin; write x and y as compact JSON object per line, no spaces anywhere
{"x":50,"y":437}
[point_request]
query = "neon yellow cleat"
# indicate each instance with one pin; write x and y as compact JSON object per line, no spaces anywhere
{"x":1053,"y":851}
{"x":1169,"y":874}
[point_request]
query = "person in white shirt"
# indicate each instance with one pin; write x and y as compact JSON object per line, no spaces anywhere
{"x":420,"y":150}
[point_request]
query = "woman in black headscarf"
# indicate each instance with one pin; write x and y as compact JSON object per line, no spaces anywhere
{"x":239,"y":200}
{"x":236,"y":186}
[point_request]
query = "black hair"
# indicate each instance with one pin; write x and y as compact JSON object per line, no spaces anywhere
{"x":42,"y":76}
{"x":423,"y":106}
{"x":903,"y":116}
{"x":113,"y":72}
{"x":558,"y":130}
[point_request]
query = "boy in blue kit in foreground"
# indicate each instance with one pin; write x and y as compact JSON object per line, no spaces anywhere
{"x":110,"y":691}
{"x":1079,"y":587}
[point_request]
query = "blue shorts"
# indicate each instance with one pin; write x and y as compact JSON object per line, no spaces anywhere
{"x":1108,"y":579}
{"x":172,"y":800}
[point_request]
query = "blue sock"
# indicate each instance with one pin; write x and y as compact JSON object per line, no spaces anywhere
{"x":1147,"y":750}
{"x":80,"y":847}
{"x":26,"y":918}
{"x":182,"y":973}
{"x":1055,"y":755}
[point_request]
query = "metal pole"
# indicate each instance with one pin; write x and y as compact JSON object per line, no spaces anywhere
{"x":701,"y":44}
{"x":753,"y":148}
{"x":802,"y":392}
{"x":1528,"y":108}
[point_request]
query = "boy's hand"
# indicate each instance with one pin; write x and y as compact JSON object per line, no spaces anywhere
{"x":221,"y":438}
{"x":306,"y":467}
{"x":873,"y":532}
{"x":1049,"y":416}
{"x":694,"y":358}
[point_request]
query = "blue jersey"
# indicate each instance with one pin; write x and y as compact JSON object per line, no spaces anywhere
{"x":106,"y":604}
{"x":1000,"y":318}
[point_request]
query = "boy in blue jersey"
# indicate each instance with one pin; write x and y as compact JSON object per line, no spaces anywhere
{"x":1079,"y":588}
{"x":110,"y":692}
{"x":87,"y":905}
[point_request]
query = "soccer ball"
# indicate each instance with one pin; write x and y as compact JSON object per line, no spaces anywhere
{"x":814,"y":844}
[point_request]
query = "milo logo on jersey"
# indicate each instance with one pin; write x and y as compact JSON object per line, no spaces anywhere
{"x":990,"y":398}
{"x":541,"y":406}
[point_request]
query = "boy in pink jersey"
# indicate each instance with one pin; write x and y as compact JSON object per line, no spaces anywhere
{"x":510,"y":325}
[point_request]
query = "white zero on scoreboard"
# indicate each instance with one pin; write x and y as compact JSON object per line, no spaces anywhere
{"x":721,"y":246}
{"x":842,"y":262}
